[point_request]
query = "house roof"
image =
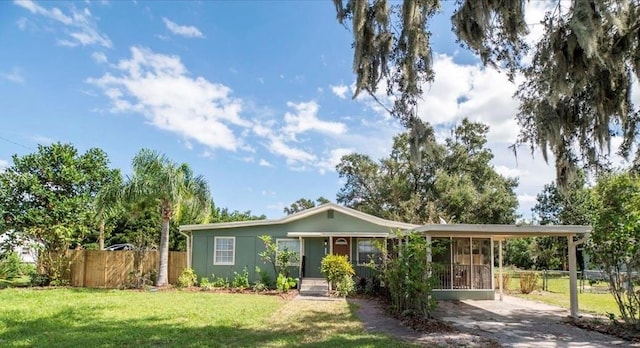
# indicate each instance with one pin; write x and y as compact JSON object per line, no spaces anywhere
{"x":504,"y":231}
{"x":301,"y":215}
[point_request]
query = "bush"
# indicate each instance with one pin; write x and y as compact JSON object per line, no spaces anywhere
{"x":408,"y":277}
{"x":38,"y":279}
{"x":187,"y":278}
{"x":345,"y":286}
{"x":528,"y":282}
{"x":219,"y":282}
{"x":241,"y":280}
{"x":205,"y":284}
{"x":259,"y":286}
{"x":10,"y":266}
{"x":265,"y":277}
{"x":506,"y":279}
{"x":336,"y":267}
{"x":284,"y":283}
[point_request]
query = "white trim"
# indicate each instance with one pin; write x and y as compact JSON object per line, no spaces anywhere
{"x":303,"y":214}
{"x":299,"y":249}
{"x":495,"y":230}
{"x":341,"y":241}
{"x":215,"y":243}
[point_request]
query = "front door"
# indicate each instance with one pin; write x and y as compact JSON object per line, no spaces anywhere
{"x":341,"y":246}
{"x":314,"y":251}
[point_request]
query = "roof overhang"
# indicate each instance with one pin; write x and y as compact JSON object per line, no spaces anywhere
{"x":339,"y":234}
{"x":303,"y":214}
{"x":500,"y":231}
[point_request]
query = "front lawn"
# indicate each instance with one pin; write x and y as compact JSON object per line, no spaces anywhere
{"x":115,"y":318}
{"x":594,"y":299}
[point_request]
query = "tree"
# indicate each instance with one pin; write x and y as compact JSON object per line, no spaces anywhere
{"x":224,"y":215}
{"x":49,"y":197}
{"x":170,"y":188}
{"x":614,"y":240}
{"x":571,"y":206}
{"x":303,"y":204}
{"x":452,"y":181}
{"x":577,"y":88}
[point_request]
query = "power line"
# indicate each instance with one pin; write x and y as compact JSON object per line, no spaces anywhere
{"x":15,"y":143}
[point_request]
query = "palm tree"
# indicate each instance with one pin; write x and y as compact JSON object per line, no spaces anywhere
{"x":170,"y":187}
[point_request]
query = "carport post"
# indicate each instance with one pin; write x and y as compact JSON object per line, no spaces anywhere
{"x":500,"y":267}
{"x":573,"y":277}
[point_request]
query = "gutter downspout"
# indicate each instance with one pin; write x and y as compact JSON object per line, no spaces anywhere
{"x":189,"y":247}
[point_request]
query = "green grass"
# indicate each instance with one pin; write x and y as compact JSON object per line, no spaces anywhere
{"x":600,"y":302}
{"x":21,"y":281}
{"x":115,"y":318}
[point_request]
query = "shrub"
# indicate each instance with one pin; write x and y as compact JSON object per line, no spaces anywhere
{"x":265,"y":277}
{"x":259,"y":286}
{"x":506,"y":279}
{"x":241,"y":280}
{"x":528,"y":282}
{"x":219,"y":282}
{"x":38,"y":279}
{"x":408,"y":277}
{"x":279,"y":259}
{"x":10,"y":266}
{"x":205,"y":284}
{"x":336,"y":267}
{"x":187,"y":278}
{"x":284,"y":283}
{"x":345,"y":286}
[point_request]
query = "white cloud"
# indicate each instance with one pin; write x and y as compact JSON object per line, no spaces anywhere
{"x":264,"y":163}
{"x":99,"y":57}
{"x":332,"y":159}
{"x":160,"y":88}
{"x":306,"y":119}
{"x":15,"y":75}
{"x":182,"y":30}
{"x":294,"y":156}
{"x":3,"y":164}
{"x":340,"y":91}
{"x":507,"y":172}
{"x":80,"y":26}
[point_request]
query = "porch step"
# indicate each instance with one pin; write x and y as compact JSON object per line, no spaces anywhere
{"x":314,"y":287}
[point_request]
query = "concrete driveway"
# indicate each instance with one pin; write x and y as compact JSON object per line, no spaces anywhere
{"x":516,"y":322}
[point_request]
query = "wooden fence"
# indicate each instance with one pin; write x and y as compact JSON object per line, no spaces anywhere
{"x":110,"y":269}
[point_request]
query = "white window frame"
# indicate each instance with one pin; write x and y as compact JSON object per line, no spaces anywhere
{"x":298,"y":252}
{"x":233,"y":251}
{"x":358,"y":250}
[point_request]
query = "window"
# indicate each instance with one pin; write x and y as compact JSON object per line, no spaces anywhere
{"x":290,"y":245}
{"x":368,"y":251}
{"x":224,"y":250}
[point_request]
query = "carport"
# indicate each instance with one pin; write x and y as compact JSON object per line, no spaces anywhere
{"x":575,"y":235}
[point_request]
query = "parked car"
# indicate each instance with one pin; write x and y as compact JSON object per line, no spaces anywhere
{"x":125,"y":246}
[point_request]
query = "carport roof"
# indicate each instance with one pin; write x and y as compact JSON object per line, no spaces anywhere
{"x":503,"y":231}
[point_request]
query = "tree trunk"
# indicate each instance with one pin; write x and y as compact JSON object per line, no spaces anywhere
{"x":101,"y":236}
{"x":163,"y":264}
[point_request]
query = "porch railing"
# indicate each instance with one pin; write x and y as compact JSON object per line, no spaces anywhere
{"x":455,"y":276}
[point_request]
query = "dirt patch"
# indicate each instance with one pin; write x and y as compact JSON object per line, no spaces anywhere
{"x":284,"y":295}
{"x":613,"y":328}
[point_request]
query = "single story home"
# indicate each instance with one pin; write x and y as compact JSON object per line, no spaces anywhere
{"x":467,"y":255}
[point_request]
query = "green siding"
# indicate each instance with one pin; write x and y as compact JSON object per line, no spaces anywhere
{"x":248,"y":245}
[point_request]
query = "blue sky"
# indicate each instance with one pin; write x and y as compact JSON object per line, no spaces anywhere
{"x":254,"y":95}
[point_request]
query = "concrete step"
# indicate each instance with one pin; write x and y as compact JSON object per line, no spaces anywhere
{"x":314,"y":287}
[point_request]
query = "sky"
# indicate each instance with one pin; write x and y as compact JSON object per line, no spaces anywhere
{"x":254,"y":95}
